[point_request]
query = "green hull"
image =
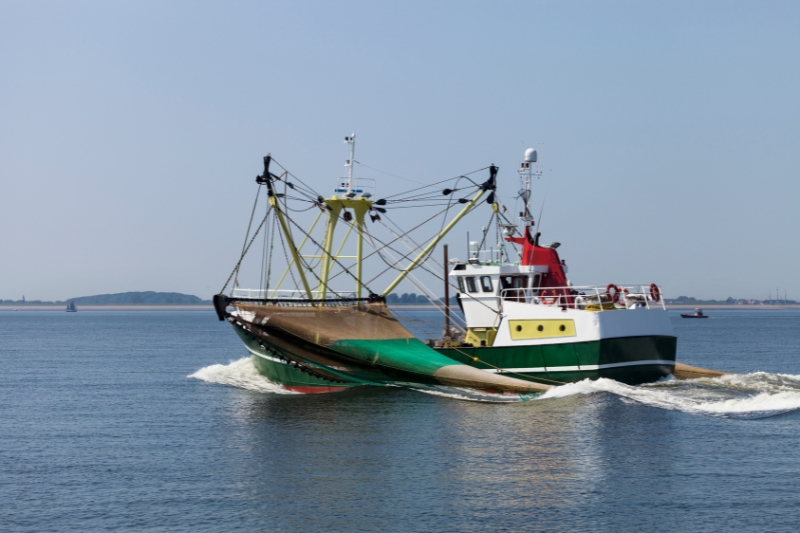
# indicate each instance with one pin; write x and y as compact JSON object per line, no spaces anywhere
{"x":631,"y":360}
{"x":326,"y":349}
{"x":269,"y":365}
{"x":310,"y":367}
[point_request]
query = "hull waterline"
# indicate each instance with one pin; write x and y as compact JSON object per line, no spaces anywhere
{"x":631,"y":360}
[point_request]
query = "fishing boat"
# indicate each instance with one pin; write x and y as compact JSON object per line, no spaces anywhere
{"x":698,"y":313}
{"x":71,"y":307}
{"x":525,"y":327}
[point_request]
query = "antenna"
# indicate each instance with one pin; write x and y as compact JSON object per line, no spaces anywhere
{"x":526,"y":172}
{"x":345,"y":185}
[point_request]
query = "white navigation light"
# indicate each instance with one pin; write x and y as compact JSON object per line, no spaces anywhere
{"x":509,"y":229}
{"x":530,"y":155}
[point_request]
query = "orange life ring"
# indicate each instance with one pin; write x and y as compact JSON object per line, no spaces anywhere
{"x":655,"y":292}
{"x":549,"y":297}
{"x":615,"y":295}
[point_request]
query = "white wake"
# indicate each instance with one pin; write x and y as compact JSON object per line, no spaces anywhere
{"x":756,"y":395}
{"x":242,"y":374}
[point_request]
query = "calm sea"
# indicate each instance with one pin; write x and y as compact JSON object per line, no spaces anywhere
{"x":156,"y":421}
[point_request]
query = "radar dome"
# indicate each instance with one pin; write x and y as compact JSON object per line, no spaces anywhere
{"x":530,"y":155}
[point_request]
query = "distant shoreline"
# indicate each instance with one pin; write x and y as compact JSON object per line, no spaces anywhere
{"x":209,"y":307}
{"x":734,"y":306}
{"x":27,"y":307}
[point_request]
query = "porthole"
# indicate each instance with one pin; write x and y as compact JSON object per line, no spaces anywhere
{"x":562,"y":327}
{"x":519,"y":328}
{"x":540,"y":328}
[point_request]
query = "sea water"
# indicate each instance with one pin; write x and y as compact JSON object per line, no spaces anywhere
{"x":157,"y":421}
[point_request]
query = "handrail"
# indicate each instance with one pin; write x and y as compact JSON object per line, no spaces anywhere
{"x":221,"y":302}
{"x":586,"y":297}
{"x":285,"y":294}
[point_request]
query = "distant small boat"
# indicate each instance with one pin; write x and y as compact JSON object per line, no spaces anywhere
{"x":71,"y":308}
{"x":698,"y":313}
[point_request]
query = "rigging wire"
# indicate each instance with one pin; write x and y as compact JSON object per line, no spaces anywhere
{"x":377,"y":249}
{"x":244,"y":252}
{"x":444,"y":181}
{"x":387,"y":173}
{"x":486,"y":231}
{"x":246,"y":236}
{"x":263,"y":272}
{"x":331,"y":256}
{"x":271,"y":248}
{"x":541,"y":209}
{"x":420,"y":265}
{"x":406,"y":256}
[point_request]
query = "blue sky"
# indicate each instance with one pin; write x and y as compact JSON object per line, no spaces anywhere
{"x":130,"y":132}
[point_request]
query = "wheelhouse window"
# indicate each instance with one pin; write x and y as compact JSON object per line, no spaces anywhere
{"x":486,"y":284}
{"x":514,"y":282}
{"x":514,"y":287}
{"x":471,"y":287}
{"x":460,"y":284}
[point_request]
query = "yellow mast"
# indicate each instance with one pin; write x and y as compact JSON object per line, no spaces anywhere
{"x":333,"y":209}
{"x":335,"y":205}
{"x":359,"y":246}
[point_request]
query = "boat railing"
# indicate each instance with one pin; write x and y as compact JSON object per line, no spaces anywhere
{"x":358,"y":186}
{"x":298,"y":298}
{"x":271,"y":294}
{"x":590,"y":297}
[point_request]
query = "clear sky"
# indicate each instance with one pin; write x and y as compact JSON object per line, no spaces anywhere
{"x":130,"y":132}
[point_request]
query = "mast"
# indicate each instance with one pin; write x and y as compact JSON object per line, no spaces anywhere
{"x":525,"y":173}
{"x":349,"y":163}
{"x":356,"y":197}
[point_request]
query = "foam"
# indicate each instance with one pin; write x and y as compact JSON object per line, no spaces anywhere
{"x":756,"y":395}
{"x":242,"y":374}
{"x":473,"y":395}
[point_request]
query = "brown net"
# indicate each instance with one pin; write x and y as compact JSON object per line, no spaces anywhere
{"x":327,"y":324}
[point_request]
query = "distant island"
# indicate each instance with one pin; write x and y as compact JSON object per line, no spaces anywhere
{"x":121,"y":298}
{"x":689,"y":300}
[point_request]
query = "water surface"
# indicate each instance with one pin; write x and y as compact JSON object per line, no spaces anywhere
{"x":102,"y":429}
